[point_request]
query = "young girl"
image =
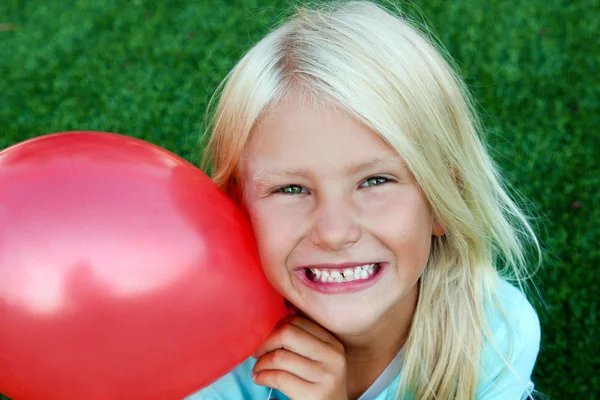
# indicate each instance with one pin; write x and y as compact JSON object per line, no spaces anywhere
{"x":353,"y":148}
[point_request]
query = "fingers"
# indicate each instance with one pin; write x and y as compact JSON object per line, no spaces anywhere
{"x":287,"y":383}
{"x":300,"y":336}
{"x":300,"y":378}
{"x":293,"y":338}
{"x":316,"y":330}
{"x":305,"y":369}
{"x":302,"y":360}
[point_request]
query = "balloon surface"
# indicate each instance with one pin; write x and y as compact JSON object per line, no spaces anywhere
{"x":125,"y":273}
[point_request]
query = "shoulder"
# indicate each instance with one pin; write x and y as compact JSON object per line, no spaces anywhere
{"x":515,"y":315}
{"x":509,"y":354}
{"x":236,"y":385}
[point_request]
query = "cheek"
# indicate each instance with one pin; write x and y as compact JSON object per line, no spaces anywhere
{"x":276,"y":231}
{"x":404,"y":224}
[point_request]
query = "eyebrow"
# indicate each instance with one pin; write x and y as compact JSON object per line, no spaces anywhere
{"x":265,"y":174}
{"x":390,"y":162}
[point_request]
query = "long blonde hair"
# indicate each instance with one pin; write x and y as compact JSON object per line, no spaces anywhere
{"x":378,"y":67}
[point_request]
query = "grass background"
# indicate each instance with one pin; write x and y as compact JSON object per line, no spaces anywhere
{"x":146,"y":68}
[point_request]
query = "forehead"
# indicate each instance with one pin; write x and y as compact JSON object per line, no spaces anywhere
{"x":300,"y":135}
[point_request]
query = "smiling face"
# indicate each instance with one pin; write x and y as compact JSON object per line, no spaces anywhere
{"x":342,"y":228}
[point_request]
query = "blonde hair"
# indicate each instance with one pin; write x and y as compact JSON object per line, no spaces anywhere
{"x":379,"y":68}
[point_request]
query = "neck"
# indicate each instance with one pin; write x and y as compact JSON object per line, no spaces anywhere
{"x":368,"y":353}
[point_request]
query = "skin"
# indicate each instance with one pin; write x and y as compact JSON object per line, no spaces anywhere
{"x":320,"y":187}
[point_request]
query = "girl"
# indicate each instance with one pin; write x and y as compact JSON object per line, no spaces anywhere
{"x":353,"y":148}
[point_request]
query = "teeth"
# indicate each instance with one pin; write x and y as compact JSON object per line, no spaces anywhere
{"x":347,"y":275}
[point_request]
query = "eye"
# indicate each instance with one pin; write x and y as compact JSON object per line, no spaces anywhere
{"x":291,"y":189}
{"x":375,"y":181}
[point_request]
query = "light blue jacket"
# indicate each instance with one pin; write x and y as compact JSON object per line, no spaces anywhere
{"x":496,"y":382}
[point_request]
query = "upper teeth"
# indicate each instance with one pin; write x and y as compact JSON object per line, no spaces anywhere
{"x":345,"y":275}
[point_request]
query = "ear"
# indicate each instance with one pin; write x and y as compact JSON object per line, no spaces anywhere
{"x":437,"y":228}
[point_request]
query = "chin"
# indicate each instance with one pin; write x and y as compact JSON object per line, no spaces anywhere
{"x":346,"y":323}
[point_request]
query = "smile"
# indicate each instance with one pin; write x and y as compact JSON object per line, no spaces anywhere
{"x":347,"y":278}
{"x":329,"y":275}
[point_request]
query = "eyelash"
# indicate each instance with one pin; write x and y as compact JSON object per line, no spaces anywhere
{"x":378,"y":178}
{"x":282,"y":189}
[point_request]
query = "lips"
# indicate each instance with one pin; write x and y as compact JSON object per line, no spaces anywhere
{"x":336,"y":278}
{"x":338,"y":275}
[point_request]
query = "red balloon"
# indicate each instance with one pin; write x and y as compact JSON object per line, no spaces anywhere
{"x":125,"y":273}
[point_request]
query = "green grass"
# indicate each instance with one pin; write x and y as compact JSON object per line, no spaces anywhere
{"x":147,"y":69}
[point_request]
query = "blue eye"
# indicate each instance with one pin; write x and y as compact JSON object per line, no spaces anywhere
{"x":375,"y":181}
{"x":290,"y":189}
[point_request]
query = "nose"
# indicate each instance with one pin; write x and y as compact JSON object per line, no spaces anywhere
{"x":336,"y":227}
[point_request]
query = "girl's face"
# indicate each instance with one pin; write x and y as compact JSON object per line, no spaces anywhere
{"x":342,"y":228}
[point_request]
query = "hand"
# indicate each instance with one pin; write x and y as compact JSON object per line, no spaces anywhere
{"x":303,"y":361}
